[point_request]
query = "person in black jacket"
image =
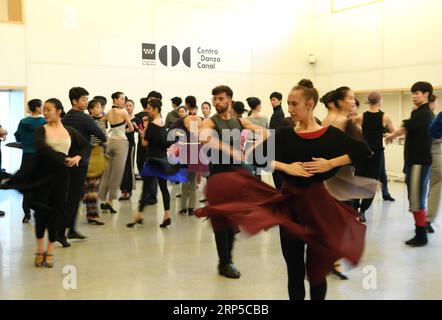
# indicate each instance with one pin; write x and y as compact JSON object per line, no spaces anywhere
{"x":60,"y":149}
{"x":86,"y":126}
{"x":418,"y":157}
{"x":276,"y":121}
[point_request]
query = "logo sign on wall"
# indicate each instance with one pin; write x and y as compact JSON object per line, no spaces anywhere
{"x":171,"y":56}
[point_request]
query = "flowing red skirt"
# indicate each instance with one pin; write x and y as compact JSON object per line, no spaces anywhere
{"x":330,"y":228}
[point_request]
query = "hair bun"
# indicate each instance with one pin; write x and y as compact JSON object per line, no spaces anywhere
{"x":306,"y":83}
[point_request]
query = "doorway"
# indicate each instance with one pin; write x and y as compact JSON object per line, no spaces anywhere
{"x":12,"y":110}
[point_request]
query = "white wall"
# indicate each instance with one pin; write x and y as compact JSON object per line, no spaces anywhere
{"x":389,"y":44}
{"x":97,"y":45}
{"x":385,"y":45}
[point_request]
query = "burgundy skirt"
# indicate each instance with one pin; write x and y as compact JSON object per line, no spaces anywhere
{"x":330,"y":228}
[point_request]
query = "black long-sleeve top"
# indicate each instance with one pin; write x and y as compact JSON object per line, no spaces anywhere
{"x":277,"y":118}
{"x":291,"y":147}
{"x":86,"y":126}
{"x":48,"y":162}
{"x":418,"y":140}
{"x":157,"y":138}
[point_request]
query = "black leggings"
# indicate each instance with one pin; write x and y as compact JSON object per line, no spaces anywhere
{"x":127,"y":184}
{"x":49,"y":203}
{"x":293,"y":251}
{"x":147,"y":186}
{"x":370,"y":168}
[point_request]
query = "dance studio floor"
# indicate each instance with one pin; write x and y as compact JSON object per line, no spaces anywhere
{"x":147,"y":262}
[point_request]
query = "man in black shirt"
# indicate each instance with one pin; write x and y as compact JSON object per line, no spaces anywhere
{"x":86,"y":126}
{"x":172,"y":117}
{"x":276,"y":121}
{"x":418,"y":157}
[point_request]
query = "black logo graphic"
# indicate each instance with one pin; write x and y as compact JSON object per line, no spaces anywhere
{"x":149,"y":51}
{"x":149,"y":55}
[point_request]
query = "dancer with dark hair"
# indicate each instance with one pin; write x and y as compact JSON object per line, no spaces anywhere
{"x":97,"y":165}
{"x":26,"y":135}
{"x":86,"y":126}
{"x":373,"y":123}
{"x":128,"y":182}
{"x":172,"y":117}
{"x":157,"y":166}
{"x":276,"y":121}
{"x":306,"y":156}
{"x":206,"y":109}
{"x":189,"y":156}
{"x":417,"y":157}
{"x":223,"y":125}
{"x":434,"y":195}
{"x":142,"y":150}
{"x":59,"y":150}
{"x":255,"y":112}
{"x":116,"y":151}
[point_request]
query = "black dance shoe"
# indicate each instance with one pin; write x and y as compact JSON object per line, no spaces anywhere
{"x":132,"y":224}
{"x":166,"y":223}
{"x":203,"y":200}
{"x":183,"y":212}
{"x":26,"y":218}
{"x":111,"y":210}
{"x":96,"y":222}
{"x":429,"y":227}
{"x":76,"y":235}
{"x":63,"y":241}
{"x":420,"y":239}
{"x":388,"y":198}
{"x":190,"y":211}
{"x":107,"y":207}
{"x":229,"y":271}
{"x":2,"y":213}
{"x":362,"y":218}
{"x":338,"y":274}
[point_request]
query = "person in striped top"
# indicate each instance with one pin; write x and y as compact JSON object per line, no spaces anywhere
{"x":92,"y":181}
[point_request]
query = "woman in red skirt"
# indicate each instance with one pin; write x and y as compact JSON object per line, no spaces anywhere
{"x":306,"y":156}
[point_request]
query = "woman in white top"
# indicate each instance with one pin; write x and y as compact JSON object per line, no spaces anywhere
{"x":58,"y":149}
{"x":117,"y":149}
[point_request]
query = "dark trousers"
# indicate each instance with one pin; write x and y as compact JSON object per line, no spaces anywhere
{"x":75,"y":194}
{"x":383,"y":177}
{"x":49,"y":204}
{"x":224,"y":245}
{"x":127,"y":184}
{"x":369,"y":168}
{"x":277,"y":179}
{"x":147,"y":186}
{"x":141,"y":159}
{"x":28,"y":164}
{"x":293,"y":251}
